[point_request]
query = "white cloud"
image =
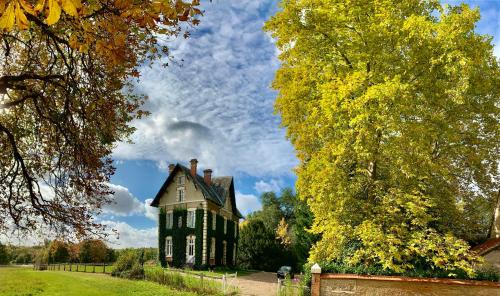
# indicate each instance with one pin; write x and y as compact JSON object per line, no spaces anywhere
{"x":149,"y":211}
{"x":273,"y":185}
{"x":247,"y":203}
{"x":217,"y":107}
{"x":124,"y":203}
{"x":130,"y":237}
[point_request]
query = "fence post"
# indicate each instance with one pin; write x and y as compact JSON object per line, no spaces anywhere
{"x":104,"y":268}
{"x":316,"y":280}
{"x":279,"y":287}
{"x":93,"y":270}
{"x":201,"y":277}
{"x":224,"y":284}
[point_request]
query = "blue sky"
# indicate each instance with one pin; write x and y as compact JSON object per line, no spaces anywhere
{"x":214,"y":103}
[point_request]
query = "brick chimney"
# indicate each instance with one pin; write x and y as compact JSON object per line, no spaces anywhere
{"x":171,"y":167}
{"x":194,"y":164}
{"x":207,"y":176}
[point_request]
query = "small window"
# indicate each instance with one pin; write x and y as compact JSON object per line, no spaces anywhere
{"x":181,"y":180}
{"x":190,"y":245}
{"x":225,"y":225}
{"x":191,"y":218}
{"x":179,"y":222}
{"x":212,"y":249}
{"x":214,"y":220}
{"x":180,"y":194}
{"x":168,"y":246}
{"x":170,"y":220}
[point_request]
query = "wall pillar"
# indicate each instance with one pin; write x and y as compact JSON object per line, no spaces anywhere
{"x":205,"y":228}
{"x":316,"y":280}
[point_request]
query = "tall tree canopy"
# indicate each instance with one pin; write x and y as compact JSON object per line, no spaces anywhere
{"x":393,"y":109}
{"x":65,"y":100}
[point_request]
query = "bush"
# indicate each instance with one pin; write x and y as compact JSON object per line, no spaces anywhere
{"x":4,"y":255}
{"x":128,"y":265}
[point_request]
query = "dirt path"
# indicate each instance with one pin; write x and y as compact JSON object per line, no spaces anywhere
{"x":258,"y":284}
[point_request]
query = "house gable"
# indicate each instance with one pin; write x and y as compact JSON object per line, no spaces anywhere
{"x":220,"y":192}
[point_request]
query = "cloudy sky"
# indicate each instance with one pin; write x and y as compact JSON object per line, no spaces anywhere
{"x":214,"y":104}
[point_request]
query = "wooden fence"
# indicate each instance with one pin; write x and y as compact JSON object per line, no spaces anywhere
{"x":228,"y":280}
{"x":76,"y":267}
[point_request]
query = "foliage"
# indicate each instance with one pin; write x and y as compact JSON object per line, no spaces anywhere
{"x":25,"y":281}
{"x":4,"y":255}
{"x":183,"y":282}
{"x":259,"y":249}
{"x":93,"y":251}
{"x":58,"y":252}
{"x":392,"y":107}
{"x":282,"y":233}
{"x":65,"y":100}
{"x":289,"y":218}
{"x":128,"y":265}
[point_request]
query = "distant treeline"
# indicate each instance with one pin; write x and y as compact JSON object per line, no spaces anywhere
{"x":58,"y":251}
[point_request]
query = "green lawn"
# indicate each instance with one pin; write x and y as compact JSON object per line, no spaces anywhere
{"x":16,"y":281}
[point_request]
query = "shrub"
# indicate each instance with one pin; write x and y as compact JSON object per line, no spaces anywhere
{"x":4,"y":255}
{"x":128,"y":266}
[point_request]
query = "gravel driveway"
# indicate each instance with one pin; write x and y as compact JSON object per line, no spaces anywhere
{"x":258,"y":284}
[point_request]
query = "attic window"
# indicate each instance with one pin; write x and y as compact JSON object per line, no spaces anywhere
{"x":181,"y":180}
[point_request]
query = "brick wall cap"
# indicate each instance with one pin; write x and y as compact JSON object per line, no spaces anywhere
{"x":316,"y":268}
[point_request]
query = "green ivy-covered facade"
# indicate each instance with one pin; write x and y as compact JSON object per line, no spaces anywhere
{"x":179,"y":239}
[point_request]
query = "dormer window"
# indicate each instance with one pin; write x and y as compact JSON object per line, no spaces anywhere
{"x":181,"y":180}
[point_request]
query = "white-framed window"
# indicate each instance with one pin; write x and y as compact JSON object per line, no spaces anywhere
{"x":180,"y":194}
{"x":235,"y":228}
{"x":224,"y":252}
{"x":168,"y":246}
{"x":214,"y":220}
{"x":190,"y":246}
{"x":170,"y":219}
{"x":181,"y":180}
{"x":191,"y":218}
{"x":225,"y":225}
{"x":212,"y":248}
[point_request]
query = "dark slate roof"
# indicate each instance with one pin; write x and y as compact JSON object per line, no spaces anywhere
{"x":221,"y":188}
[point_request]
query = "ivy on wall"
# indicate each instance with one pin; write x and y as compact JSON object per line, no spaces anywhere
{"x":179,"y":234}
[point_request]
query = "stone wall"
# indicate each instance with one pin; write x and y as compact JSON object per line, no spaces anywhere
{"x":350,"y":284}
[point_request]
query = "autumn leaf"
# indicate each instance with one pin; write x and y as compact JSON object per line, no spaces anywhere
{"x":71,"y":6}
{"x":8,"y":17}
{"x":54,"y":12}
{"x":26,"y":6}
{"x":21,"y":20}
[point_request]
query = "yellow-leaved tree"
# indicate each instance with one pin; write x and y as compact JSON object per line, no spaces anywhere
{"x":66,"y":100}
{"x":393,"y":109}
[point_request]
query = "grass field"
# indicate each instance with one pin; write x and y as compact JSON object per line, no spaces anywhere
{"x":16,"y":281}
